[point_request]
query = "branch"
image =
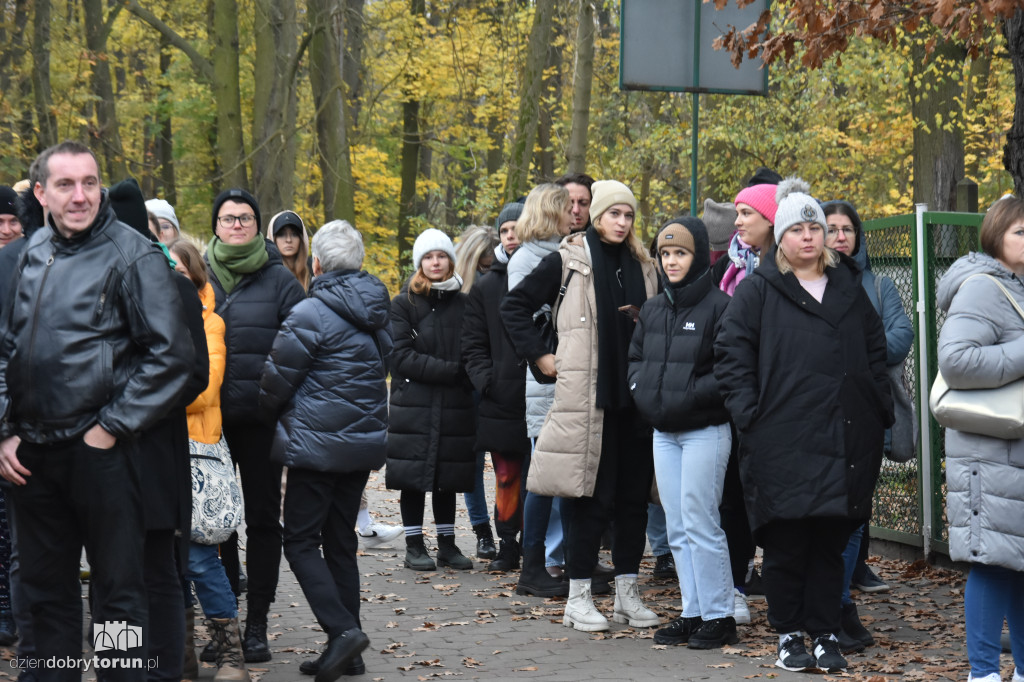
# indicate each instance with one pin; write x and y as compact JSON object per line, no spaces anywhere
{"x":108,"y":25}
{"x":201,"y":64}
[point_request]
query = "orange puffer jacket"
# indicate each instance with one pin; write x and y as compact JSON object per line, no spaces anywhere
{"x":204,"y":420}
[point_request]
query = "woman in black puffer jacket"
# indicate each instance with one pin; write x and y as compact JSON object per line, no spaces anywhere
{"x":433,"y":425}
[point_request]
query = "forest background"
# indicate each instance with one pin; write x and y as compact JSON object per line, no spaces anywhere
{"x":403,"y":114}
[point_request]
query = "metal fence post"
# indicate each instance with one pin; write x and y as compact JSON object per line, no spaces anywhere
{"x":923,"y":414}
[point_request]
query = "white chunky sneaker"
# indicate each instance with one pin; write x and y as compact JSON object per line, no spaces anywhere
{"x":580,"y":612}
{"x":739,"y":607}
{"x":991,"y":677}
{"x":379,"y":534}
{"x":628,"y":606}
{"x":1018,"y":676}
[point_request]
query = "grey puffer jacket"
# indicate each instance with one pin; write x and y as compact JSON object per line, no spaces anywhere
{"x":538,"y":396}
{"x":327,"y":376}
{"x":981,"y":345}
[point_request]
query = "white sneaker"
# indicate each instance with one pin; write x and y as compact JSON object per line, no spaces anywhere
{"x":580,"y":612}
{"x":991,"y":677}
{"x":629,"y":608}
{"x":1017,"y":675}
{"x":379,"y":534}
{"x":739,"y":607}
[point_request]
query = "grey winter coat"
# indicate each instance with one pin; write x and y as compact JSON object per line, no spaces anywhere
{"x":981,"y":345}
{"x":538,"y":396}
{"x":326,"y":376}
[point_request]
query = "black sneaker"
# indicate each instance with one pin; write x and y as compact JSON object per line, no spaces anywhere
{"x":827,"y":656}
{"x":714,"y":634}
{"x":755,"y":586}
{"x":792,"y":654}
{"x":867,"y":581}
{"x":664,"y":566}
{"x":678,"y":631}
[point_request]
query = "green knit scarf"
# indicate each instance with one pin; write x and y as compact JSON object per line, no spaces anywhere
{"x":231,"y":262}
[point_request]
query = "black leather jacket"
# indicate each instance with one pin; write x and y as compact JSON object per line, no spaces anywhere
{"x":95,"y":334}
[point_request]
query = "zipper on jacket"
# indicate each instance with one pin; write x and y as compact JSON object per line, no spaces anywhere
{"x":668,"y":348}
{"x":103,"y":297}
{"x":35,"y":320}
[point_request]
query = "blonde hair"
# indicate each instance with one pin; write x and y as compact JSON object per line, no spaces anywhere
{"x":828,"y":259}
{"x":474,"y":243}
{"x":542,"y":214}
{"x":640,"y":253}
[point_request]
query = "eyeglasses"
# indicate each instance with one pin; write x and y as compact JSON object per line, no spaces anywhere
{"x":246,"y":220}
{"x":848,"y":232}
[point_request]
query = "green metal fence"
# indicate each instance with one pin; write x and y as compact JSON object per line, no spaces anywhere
{"x":915,"y":251}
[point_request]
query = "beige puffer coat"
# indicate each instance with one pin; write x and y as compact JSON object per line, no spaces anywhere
{"x":568,"y":451}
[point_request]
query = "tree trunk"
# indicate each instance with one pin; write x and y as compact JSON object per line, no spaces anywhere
{"x":352,"y":60}
{"x":935,"y":89}
{"x":227,"y":94}
{"x":1013,"y":152}
{"x":107,"y":131}
{"x":165,"y":138}
{"x":518,"y":180}
{"x":582,"y":80}
{"x":410,"y":161}
{"x":43,"y":95}
{"x":495,"y":144}
{"x":332,"y":139}
{"x":274,"y":105}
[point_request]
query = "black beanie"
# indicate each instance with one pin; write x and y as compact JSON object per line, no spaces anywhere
{"x":239,"y":196}
{"x":130,"y":207}
{"x":701,"y":249}
{"x":764,"y":176}
{"x":8,"y":201}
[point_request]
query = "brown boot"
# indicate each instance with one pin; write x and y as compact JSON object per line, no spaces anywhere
{"x":191,"y":668}
{"x":230,"y":661}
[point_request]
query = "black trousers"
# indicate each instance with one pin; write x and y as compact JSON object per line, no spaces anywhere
{"x":320,"y":510}
{"x":261,"y":487}
{"x":166,"y":626}
{"x":412,"y":502}
{"x":803,"y":573}
{"x":621,"y":493}
{"x":733,"y":511}
{"x":78,"y":495}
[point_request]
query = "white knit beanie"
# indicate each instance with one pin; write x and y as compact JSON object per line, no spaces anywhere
{"x":796,"y":205}
{"x":162,"y":209}
{"x":432,"y":239}
{"x":605,"y":194}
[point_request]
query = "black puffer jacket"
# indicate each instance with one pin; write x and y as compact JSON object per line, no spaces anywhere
{"x":671,"y":358}
{"x":432,"y":424}
{"x":806,"y":385}
{"x":494,"y":369}
{"x":327,"y":376}
{"x":252,"y":314}
{"x":98,"y":317}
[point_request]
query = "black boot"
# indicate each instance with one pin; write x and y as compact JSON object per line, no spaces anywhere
{"x":485,"y":548}
{"x":8,"y":630}
{"x":534,"y":580}
{"x":254,"y":642}
{"x":450,"y":555}
{"x":416,"y":556}
{"x":852,"y":627}
{"x":509,"y":550}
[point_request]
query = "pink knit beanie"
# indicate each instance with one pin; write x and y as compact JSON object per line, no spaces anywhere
{"x":761,"y":198}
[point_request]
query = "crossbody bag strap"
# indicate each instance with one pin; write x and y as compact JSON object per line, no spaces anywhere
{"x":561,"y":295}
{"x":1013,"y":301}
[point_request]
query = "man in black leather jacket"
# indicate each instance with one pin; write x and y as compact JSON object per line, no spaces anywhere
{"x":94,"y":351}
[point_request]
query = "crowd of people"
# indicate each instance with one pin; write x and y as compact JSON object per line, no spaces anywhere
{"x":723,"y":388}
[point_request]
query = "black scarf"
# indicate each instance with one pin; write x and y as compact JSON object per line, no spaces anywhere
{"x":618,"y":281}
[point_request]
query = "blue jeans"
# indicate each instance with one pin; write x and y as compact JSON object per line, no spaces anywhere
{"x":690,"y":470}
{"x":212,"y":587}
{"x":554,"y":554}
{"x":850,"y":555}
{"x":657,"y":532}
{"x":476,"y":501}
{"x":542,"y":521}
{"x":993,"y":594}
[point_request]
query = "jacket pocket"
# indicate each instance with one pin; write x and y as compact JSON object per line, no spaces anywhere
{"x":105,"y":295}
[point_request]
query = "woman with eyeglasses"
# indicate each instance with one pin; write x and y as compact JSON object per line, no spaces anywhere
{"x":845,"y":236}
{"x":800,"y":359}
{"x":254,"y":293}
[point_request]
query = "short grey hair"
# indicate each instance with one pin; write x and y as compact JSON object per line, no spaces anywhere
{"x":338,"y":246}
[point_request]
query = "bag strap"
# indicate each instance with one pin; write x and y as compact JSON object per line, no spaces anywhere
{"x":1013,"y":301}
{"x":561,"y":295}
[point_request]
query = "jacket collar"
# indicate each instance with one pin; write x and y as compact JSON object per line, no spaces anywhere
{"x":841,"y":294}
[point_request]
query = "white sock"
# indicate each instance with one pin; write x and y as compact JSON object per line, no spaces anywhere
{"x":363,"y":519}
{"x":445,"y":529}
{"x":634,"y":576}
{"x":413,"y":530}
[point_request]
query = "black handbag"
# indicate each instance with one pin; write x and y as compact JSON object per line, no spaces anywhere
{"x":545,"y":324}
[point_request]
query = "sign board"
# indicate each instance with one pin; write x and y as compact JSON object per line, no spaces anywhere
{"x":667,"y":45}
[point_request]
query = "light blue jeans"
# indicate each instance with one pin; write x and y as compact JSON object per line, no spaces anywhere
{"x":993,"y":594}
{"x":690,"y":469}
{"x":657,"y":532}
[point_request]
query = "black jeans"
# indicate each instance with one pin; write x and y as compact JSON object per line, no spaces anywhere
{"x":166,"y":625}
{"x":803,"y":573}
{"x":621,"y":493}
{"x":78,"y":495}
{"x":261,"y":487}
{"x":320,"y":510}
{"x":411,"y":503}
{"x":733,"y":511}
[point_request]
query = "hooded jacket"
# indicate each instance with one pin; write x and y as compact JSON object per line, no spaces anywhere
{"x":204,"y":420}
{"x":252,"y":314}
{"x":433,"y":420}
{"x":806,"y":385}
{"x":981,"y":345}
{"x":97,"y":316}
{"x":899,"y":330}
{"x":327,"y":376}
